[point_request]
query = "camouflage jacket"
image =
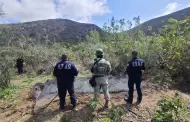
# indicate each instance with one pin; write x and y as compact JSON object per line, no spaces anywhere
{"x":102,"y":68}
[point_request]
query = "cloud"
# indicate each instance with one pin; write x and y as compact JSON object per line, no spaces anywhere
{"x":172,"y":7}
{"x":82,"y":10}
{"x":168,"y":9}
{"x":31,"y":10}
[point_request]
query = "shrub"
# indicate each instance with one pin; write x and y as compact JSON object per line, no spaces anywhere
{"x":115,"y":114}
{"x":93,"y":104}
{"x":9,"y":93}
{"x":172,"y":110}
{"x":6,"y":67}
{"x":64,"y":119}
{"x":164,"y":52}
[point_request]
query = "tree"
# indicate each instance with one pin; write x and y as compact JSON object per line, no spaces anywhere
{"x":93,"y":36}
{"x":129,"y":24}
{"x":137,"y":20}
{"x":4,"y":67}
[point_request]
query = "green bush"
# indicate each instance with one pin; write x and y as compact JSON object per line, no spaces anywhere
{"x":168,"y":50}
{"x":106,"y":120}
{"x":172,"y":110}
{"x":10,"y":93}
{"x":64,"y":119}
{"x":93,"y":104}
{"x":115,"y":114}
{"x":6,"y":67}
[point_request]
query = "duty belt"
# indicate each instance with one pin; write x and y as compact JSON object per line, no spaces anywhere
{"x":99,"y":75}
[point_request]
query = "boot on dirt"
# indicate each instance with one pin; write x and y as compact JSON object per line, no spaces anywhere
{"x":138,"y":102}
{"x":62,"y":108}
{"x":128,"y":101}
{"x":106,"y":104}
{"x":74,"y":108}
{"x":74,"y":105}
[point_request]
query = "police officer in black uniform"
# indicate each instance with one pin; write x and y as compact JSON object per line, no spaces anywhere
{"x":19,"y":65}
{"x":135,"y":68}
{"x":65,"y":72}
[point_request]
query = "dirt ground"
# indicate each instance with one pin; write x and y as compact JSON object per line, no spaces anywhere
{"x":22,"y":109}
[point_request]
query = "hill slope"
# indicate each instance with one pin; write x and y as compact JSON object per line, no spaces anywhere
{"x":56,"y":30}
{"x":64,"y":30}
{"x":159,"y":22}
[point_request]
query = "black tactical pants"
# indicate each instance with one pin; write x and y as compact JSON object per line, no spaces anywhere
{"x":62,"y":91}
{"x":20,"y":69}
{"x":137,"y":81}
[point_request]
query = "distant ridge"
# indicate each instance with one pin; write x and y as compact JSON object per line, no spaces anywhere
{"x":159,"y":22}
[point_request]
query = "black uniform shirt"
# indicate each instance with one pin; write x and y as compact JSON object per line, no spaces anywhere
{"x":65,"y":70}
{"x":135,"y":67}
{"x":19,"y":62}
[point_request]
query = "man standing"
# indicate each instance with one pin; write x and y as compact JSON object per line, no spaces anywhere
{"x":65,"y":73}
{"x":135,"y":68}
{"x":19,"y":65}
{"x":101,"y":69}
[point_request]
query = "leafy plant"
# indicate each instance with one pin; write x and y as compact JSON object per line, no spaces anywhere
{"x":106,"y":120}
{"x":115,"y":114}
{"x":10,"y":93}
{"x":174,"y":42}
{"x":93,"y":104}
{"x":64,"y":119}
{"x":165,"y":53}
{"x":172,"y":110}
{"x":5,"y":71}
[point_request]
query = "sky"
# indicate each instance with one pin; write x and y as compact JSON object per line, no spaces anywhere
{"x":88,"y":11}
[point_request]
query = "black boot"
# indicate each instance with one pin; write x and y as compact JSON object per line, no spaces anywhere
{"x":74,"y":105}
{"x":138,"y":101}
{"x":128,"y":101}
{"x":62,"y":108}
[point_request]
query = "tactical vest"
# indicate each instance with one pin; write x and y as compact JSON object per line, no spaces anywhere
{"x":101,"y":68}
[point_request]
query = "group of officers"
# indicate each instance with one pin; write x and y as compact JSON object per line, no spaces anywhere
{"x":65,"y":73}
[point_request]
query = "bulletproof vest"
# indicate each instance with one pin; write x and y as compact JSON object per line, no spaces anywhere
{"x":101,"y":68}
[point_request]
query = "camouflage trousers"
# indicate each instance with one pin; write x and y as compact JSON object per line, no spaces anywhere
{"x":101,"y":82}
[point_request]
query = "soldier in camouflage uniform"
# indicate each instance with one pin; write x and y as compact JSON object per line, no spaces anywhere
{"x":101,"y":71}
